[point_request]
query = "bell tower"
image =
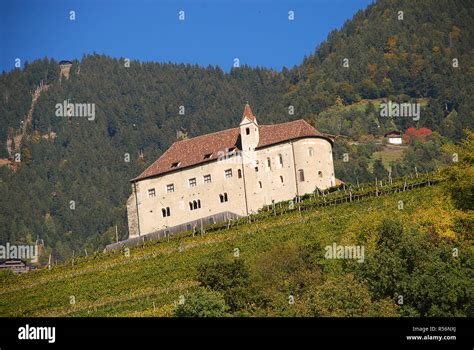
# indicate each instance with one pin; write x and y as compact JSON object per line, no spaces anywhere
{"x":249,"y":135}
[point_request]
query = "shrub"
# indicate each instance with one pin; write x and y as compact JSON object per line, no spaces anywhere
{"x":202,"y":303}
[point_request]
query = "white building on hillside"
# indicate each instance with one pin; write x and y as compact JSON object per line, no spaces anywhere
{"x":233,"y":172}
{"x":394,"y":137}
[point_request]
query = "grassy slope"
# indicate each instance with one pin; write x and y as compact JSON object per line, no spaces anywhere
{"x":157,"y":274}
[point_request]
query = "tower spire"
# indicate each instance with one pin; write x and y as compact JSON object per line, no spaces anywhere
{"x":248,"y":114}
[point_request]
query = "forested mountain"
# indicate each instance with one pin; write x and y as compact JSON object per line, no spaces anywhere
{"x":139,"y":109}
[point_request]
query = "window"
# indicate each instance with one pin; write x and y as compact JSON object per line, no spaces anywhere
{"x":170,"y":188}
{"x":228,"y":173}
{"x":151,"y":192}
{"x":195,"y":205}
{"x":208,"y":156}
{"x":301,"y":175}
{"x":247,"y":131}
{"x":165,"y":212}
{"x":320,"y":173}
{"x":281,"y":179}
{"x":192,"y":182}
{"x":223,"y":198}
{"x":239,"y":173}
{"x":256,"y":169}
{"x":310,"y":151}
{"x":269,"y":164}
{"x":280,"y":159}
{"x":175,"y":164}
{"x":260,"y":184}
{"x":207,"y":179}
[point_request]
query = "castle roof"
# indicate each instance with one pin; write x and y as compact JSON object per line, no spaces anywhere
{"x":207,"y":148}
{"x":248,"y":114}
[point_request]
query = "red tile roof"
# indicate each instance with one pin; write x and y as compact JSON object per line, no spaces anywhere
{"x":393,"y":133}
{"x":193,"y":151}
{"x":248,"y":113}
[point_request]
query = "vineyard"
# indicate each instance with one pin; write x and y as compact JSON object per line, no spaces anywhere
{"x":282,"y":248}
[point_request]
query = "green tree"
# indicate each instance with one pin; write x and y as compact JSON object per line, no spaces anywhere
{"x":460,"y":175}
{"x":202,"y":303}
{"x":379,"y":170}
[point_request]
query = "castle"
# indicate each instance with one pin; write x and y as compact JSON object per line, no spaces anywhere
{"x":229,"y":173}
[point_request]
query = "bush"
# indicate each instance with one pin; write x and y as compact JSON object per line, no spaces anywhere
{"x":202,"y":303}
{"x":232,"y":279}
{"x":343,"y":296}
{"x":422,"y":269}
{"x":224,"y":275}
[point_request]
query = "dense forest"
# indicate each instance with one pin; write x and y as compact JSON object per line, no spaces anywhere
{"x":423,"y":53}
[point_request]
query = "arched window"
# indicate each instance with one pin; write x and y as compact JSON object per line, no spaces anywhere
{"x":269,"y":164}
{"x":168,"y":212}
{"x":190,"y":205}
{"x":301,"y":175}
{"x":221,"y":197}
{"x":239,"y":173}
{"x":195,"y":205}
{"x":260,"y":184}
{"x":199,"y":203}
{"x":320,"y":173}
{"x":280,"y":159}
{"x":163,"y":212}
{"x":225,"y":197}
{"x":310,"y":151}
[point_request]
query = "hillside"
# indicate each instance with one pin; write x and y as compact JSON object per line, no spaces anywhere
{"x":256,"y":268}
{"x":398,"y":50}
{"x":138,"y":111}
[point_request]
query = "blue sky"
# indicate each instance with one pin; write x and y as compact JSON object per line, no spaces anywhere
{"x":214,"y":31}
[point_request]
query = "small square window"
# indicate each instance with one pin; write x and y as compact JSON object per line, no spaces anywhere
{"x":228,"y":173}
{"x":207,"y":179}
{"x":192,"y":182}
{"x":170,"y":188}
{"x":151,"y":192}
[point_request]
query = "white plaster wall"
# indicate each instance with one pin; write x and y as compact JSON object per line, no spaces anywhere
{"x":297,"y":152}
